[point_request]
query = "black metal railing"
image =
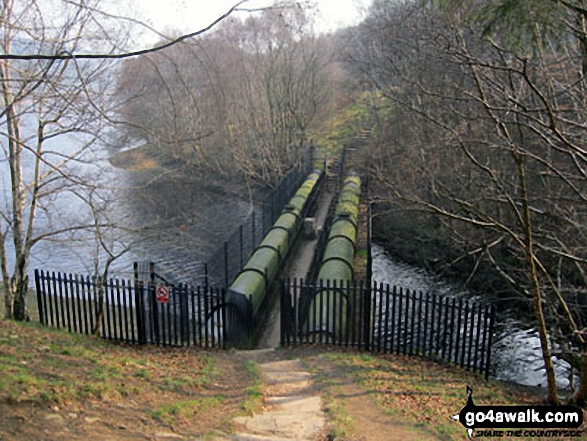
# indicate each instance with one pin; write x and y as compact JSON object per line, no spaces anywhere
{"x":138,"y":312}
{"x":227,"y":261}
{"x":388,"y":319}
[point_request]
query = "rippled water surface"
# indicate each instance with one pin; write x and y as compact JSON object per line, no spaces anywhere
{"x":516,"y":350}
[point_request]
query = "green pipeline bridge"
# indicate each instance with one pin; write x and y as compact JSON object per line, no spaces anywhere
{"x":296,"y":272}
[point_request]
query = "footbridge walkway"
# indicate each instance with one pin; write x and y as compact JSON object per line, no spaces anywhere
{"x":298,"y":272}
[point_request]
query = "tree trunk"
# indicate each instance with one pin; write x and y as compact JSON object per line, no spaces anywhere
{"x":8,"y":301}
{"x":99,"y":286}
{"x":535,"y":284}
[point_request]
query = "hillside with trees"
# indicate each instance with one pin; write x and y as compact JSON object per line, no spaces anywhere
{"x":480,"y":151}
{"x":237,"y":102}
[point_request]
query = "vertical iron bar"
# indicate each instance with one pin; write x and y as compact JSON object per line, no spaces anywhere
{"x":192,"y":316}
{"x":444,"y":301}
{"x":406,"y":320}
{"x":451,"y":329}
{"x":490,"y":341}
{"x":91,"y":301}
{"x":201,"y":314}
{"x":46,"y":290}
{"x":60,"y":285}
{"x":283,"y":339}
{"x":120,"y":310}
{"x":224,"y":328}
{"x":471,"y":331}
{"x":106,"y":323}
{"x":388,"y":321}
{"x":71,"y":295}
{"x":440,"y":331}
{"x":419,"y":331}
{"x":39,"y":298}
{"x":426,"y":330}
{"x":67,"y":301}
{"x":465,"y":331}
{"x":376,"y":318}
{"x":400,"y":325}
{"x":53,"y":305}
{"x":477,"y":338}
{"x":366,"y":313}
{"x":412,"y":324}
{"x":432,"y":326}
{"x":458,"y":335}
{"x":75,"y":280}
{"x":206,"y":342}
{"x":382,"y":338}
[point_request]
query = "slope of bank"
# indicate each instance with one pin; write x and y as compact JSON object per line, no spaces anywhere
{"x":61,"y":386}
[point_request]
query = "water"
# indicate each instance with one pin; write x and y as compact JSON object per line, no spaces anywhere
{"x":168,"y":219}
{"x":516,"y":350}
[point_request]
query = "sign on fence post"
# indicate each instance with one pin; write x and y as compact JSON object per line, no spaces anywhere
{"x":162,"y":294}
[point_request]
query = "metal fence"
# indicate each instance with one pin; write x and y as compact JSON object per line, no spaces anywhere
{"x":227,"y":261}
{"x":388,"y":319}
{"x":137,"y":312}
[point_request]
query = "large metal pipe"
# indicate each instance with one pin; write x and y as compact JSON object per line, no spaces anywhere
{"x":329,"y":305}
{"x":264,"y":264}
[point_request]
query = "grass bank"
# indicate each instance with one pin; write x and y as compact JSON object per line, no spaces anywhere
{"x":415,"y":393}
{"x":87,"y":388}
{"x":56,"y":385}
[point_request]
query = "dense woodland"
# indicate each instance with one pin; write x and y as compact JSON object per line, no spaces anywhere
{"x":477,"y":113}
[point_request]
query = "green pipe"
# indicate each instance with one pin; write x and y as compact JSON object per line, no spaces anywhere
{"x":263,"y":265}
{"x":337,"y":262}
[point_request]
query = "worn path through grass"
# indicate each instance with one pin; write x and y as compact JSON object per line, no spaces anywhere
{"x":57,"y":386}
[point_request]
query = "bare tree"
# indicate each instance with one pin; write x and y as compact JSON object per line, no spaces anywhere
{"x":497,"y":154}
{"x":238,"y":101}
{"x":57,"y":74}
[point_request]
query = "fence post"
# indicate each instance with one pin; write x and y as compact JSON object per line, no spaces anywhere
{"x":154,"y":313}
{"x":489,"y":343}
{"x":367,"y":321}
{"x":39,"y":298}
{"x":140,"y":305}
{"x":184,"y":314}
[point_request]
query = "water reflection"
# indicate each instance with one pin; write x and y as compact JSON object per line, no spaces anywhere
{"x":169,"y":219}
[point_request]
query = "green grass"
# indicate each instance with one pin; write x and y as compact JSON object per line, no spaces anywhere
{"x":423,"y":393}
{"x":341,"y":422}
{"x":186,"y":409}
{"x":254,"y":392}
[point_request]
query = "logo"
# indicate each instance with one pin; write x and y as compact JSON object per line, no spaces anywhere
{"x":516,"y":421}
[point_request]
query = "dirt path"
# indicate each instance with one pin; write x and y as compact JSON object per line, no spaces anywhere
{"x":292,"y":406}
{"x":359,"y":419}
{"x":309,"y":398}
